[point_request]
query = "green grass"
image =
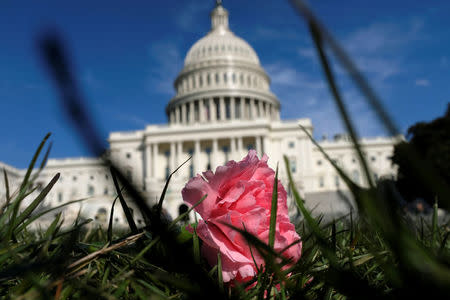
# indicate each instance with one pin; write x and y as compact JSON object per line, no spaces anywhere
{"x":376,"y":256}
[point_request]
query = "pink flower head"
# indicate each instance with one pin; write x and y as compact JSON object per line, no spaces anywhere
{"x":240,"y":194}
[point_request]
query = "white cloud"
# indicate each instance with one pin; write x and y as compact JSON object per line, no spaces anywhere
{"x":307,"y":52}
{"x":166,"y":63}
{"x":188,"y":16}
{"x":422,"y":82}
{"x":267,"y":33}
{"x":132,"y":119}
{"x":284,"y":75}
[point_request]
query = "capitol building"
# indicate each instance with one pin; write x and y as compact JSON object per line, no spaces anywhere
{"x":222,"y":107}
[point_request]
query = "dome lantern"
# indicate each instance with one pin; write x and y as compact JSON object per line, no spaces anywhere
{"x":219,"y":17}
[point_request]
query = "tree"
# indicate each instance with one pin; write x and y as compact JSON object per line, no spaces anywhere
{"x":432,"y":143}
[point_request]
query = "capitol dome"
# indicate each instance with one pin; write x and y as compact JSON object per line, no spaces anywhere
{"x":222,"y":80}
{"x":221,"y":43}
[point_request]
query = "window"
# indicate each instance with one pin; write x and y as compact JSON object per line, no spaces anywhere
{"x":354,"y":160}
{"x":225,"y":78}
{"x":234,"y":78}
{"x":319,"y":162}
{"x":293,"y":164}
{"x":200,"y":81}
{"x":91,"y":177}
{"x":227,"y":109}
{"x":208,"y":79}
{"x":250,"y":146}
{"x":167,"y":172}
{"x":90,"y":190}
{"x":291,"y":145}
{"x":191,"y":170}
{"x":60,"y":197}
{"x":373,"y":158}
{"x":375,"y":176}
{"x":217,"y":78}
{"x":336,"y":180}
{"x":74,"y":178}
{"x":321,"y":182}
{"x":106,"y":176}
{"x":128,"y":155}
{"x":105,"y":191}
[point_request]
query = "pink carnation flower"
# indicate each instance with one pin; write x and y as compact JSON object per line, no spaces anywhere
{"x":240,"y":193}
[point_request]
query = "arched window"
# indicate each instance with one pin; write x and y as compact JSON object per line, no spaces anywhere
{"x":249,"y":81}
{"x":233,"y":78}
{"x":225,"y":78}
{"x":208,"y":79}
{"x":321,"y":182}
{"x":217,"y":78}
{"x":200,"y":81}
{"x":241,"y":79}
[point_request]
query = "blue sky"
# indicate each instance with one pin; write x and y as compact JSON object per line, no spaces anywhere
{"x":127,"y":53}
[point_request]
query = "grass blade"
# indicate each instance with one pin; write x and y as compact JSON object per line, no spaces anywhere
{"x":273,"y":211}
{"x":125,"y":207}
{"x":30,"y":208}
{"x":5,"y":175}
{"x":219,"y":271}
{"x":110,"y":225}
{"x":163,"y":194}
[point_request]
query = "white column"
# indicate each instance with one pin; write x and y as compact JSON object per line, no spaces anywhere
{"x":155,"y":159}
{"x":179,"y":153}
{"x":258,"y":145}
{"x":191,"y":112}
{"x":240,"y":147}
{"x":183,"y":113}
{"x":243,"y":109}
{"x":222,"y":108}
{"x":214,"y":154}
{"x":201,"y":109}
{"x":233,"y":148}
{"x":265,"y":142}
{"x":232,"y":108}
{"x":148,"y":150}
{"x":197,"y":157}
{"x":172,"y":165}
{"x":212,"y":109}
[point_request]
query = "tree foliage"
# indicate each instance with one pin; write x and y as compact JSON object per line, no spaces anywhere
{"x":431,"y":140}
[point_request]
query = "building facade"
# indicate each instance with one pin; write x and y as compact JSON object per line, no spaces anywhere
{"x":223,"y":107}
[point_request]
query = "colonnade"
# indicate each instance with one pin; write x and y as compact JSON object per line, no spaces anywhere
{"x":221,"y":109}
{"x":234,"y":149}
